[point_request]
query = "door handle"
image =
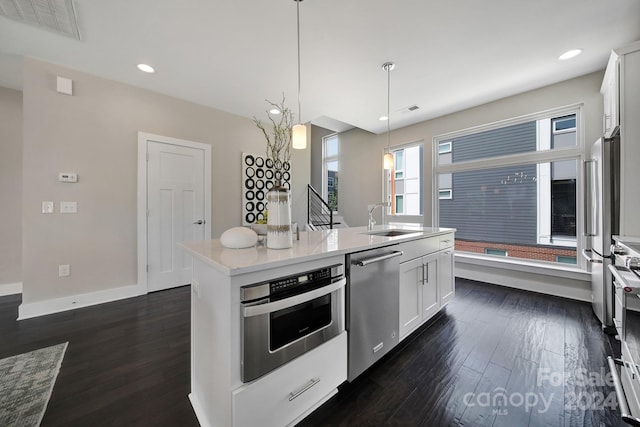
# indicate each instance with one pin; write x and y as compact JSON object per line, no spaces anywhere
{"x":270,"y":307}
{"x":199,"y":222}
{"x":586,"y":253}
{"x":425,"y":273}
{"x":590,"y":186}
{"x":367,"y":261}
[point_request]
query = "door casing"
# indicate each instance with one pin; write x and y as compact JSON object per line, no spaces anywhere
{"x":143,"y":137}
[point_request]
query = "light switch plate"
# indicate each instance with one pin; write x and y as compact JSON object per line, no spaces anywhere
{"x":68,"y":207}
{"x":68,"y":177}
{"x":47,"y":207}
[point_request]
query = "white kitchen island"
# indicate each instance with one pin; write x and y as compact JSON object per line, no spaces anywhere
{"x":218,"y":395}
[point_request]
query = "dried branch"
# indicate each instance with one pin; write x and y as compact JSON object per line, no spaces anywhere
{"x":278,"y":134}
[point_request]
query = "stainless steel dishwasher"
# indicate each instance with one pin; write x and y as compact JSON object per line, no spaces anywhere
{"x":372,"y":306}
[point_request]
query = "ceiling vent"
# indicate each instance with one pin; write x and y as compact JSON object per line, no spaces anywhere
{"x":413,"y":108}
{"x":58,"y":16}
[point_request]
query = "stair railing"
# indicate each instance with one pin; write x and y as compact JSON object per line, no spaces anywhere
{"x":319,"y":213}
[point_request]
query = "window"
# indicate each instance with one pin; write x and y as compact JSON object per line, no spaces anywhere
{"x":444,"y":147}
{"x":566,"y":259}
{"x":498,"y":252}
{"x":510,"y":188}
{"x":404,"y":183}
{"x":564,"y":124}
{"x":445,"y":180}
{"x":330,"y":170}
{"x":445,"y":194}
{"x":399,"y":204}
{"x":398,"y":164}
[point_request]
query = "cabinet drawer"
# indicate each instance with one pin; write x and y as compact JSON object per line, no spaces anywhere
{"x":285,"y":394}
{"x":446,"y":241}
{"x":417,"y":248}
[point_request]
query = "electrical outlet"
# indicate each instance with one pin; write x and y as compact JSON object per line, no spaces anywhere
{"x":64,"y":270}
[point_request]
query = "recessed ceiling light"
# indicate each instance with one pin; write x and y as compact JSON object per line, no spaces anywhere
{"x":383,"y":118}
{"x":274,"y":111}
{"x":570,"y":54}
{"x":146,"y":68}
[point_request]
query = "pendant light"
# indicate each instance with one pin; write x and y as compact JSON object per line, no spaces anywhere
{"x":387,"y":160}
{"x":299,"y":131}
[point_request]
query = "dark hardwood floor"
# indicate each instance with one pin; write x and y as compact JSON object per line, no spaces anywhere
{"x":127,"y":362}
{"x":495,"y":357}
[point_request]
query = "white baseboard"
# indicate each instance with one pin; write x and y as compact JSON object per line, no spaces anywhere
{"x":56,"y":305}
{"x":575,"y":289}
{"x":197,"y":408}
{"x":10,"y":289}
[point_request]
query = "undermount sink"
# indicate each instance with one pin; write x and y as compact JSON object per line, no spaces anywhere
{"x":391,"y":233}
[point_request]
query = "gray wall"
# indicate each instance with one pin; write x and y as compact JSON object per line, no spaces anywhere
{"x":10,"y":186}
{"x":520,"y":138}
{"x":94,"y":133}
{"x":482,"y":209}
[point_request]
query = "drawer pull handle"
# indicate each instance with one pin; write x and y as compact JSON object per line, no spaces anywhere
{"x":425,"y":273}
{"x":620,"y":394}
{"x":378,"y":347}
{"x":304,"y":388}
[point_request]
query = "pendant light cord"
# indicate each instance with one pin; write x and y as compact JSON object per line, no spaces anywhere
{"x":388,"y":107}
{"x":298,"y":20}
{"x":388,"y":66}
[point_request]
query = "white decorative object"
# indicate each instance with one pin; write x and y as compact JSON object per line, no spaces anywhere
{"x":261,"y":229}
{"x":239,"y":237}
{"x":279,"y":235}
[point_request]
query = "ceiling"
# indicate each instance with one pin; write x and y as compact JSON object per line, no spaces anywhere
{"x":233,"y":55}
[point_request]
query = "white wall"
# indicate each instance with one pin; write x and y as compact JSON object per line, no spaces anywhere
{"x":94,"y":133}
{"x":10,"y":191}
{"x":360,"y":175}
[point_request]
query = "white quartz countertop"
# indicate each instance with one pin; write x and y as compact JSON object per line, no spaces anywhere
{"x":311,"y":246}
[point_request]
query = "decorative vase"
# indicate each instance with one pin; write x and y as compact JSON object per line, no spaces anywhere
{"x":279,"y":235}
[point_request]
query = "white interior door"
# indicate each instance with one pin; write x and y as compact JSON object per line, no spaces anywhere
{"x":175,"y":211}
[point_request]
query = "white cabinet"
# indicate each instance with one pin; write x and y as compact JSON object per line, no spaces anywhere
{"x":621,"y":95}
{"x":426,"y":285}
{"x":446,"y":277}
{"x":446,"y":280}
{"x":218,"y":395}
{"x":418,"y":292}
{"x":292,"y":391}
{"x":610,"y":90}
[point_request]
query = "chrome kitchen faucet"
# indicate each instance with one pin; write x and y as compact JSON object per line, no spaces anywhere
{"x":372,"y":221}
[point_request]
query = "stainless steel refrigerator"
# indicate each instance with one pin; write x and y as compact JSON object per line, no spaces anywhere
{"x":602,"y":202}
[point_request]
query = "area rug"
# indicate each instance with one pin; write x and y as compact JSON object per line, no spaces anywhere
{"x":26,"y":383}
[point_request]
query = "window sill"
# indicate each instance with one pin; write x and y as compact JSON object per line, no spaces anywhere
{"x":563,"y":271}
